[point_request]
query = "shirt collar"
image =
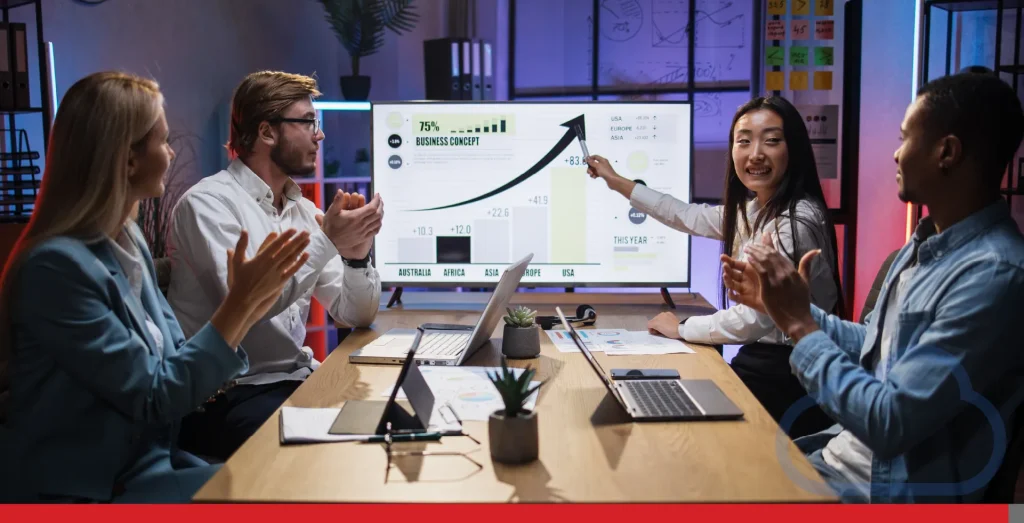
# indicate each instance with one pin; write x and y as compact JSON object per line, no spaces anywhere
{"x":255,"y":187}
{"x":936,"y":245}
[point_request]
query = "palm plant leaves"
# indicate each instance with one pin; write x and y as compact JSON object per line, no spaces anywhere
{"x":397,"y":15}
{"x":360,"y":25}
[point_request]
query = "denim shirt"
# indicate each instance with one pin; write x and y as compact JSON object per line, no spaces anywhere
{"x":939,"y":421}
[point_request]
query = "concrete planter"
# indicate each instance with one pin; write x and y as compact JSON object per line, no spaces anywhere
{"x":513,"y":440}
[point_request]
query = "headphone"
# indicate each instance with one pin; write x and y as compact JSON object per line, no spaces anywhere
{"x":585,"y":315}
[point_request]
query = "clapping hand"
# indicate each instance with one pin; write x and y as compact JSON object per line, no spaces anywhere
{"x":351,"y":223}
{"x":258,"y":281}
{"x":769,"y":282}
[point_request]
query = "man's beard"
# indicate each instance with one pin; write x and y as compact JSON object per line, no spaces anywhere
{"x":290,"y":161}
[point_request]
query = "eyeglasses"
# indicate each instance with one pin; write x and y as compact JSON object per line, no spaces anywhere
{"x":314,"y":122}
{"x":388,"y":441}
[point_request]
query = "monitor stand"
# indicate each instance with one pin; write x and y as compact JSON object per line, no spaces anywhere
{"x":396,"y":297}
{"x":667,"y":297}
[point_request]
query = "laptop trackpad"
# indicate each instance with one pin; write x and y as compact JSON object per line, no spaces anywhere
{"x":395,"y":339}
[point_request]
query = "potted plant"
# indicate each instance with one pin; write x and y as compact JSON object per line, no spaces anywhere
{"x":360,"y":26}
{"x":512,"y":431}
{"x":521,"y":338}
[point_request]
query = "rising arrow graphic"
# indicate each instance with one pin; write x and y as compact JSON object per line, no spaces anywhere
{"x":574,"y":125}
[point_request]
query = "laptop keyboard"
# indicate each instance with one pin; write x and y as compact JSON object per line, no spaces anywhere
{"x":443,"y":343}
{"x":661,"y":398}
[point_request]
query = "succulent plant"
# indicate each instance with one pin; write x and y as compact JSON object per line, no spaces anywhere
{"x":514,"y":391}
{"x":520,"y":317}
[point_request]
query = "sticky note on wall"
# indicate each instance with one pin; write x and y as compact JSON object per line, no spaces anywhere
{"x":801,"y":7}
{"x":823,"y":80}
{"x":798,"y":55}
{"x":798,"y":80}
{"x":800,"y":29}
{"x":776,"y":30}
{"x":824,"y":29}
{"x":776,"y":7}
{"x":825,"y":7}
{"x":823,"y":56}
{"x":775,"y":56}
{"x":775,"y":80}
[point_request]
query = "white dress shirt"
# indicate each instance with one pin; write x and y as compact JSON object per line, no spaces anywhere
{"x":207,"y":222}
{"x":130,"y":259}
{"x":740,"y":324}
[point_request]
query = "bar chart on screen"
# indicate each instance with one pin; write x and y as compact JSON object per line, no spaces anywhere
{"x":471,"y":188}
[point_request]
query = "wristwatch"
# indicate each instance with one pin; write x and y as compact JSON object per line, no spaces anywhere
{"x":357,"y":264}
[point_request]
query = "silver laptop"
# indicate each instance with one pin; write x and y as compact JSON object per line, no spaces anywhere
{"x":661,"y":399}
{"x":446,"y":344}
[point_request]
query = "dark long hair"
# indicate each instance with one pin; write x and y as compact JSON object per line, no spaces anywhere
{"x":799,"y":182}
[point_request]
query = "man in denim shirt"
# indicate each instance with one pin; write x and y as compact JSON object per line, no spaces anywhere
{"x":925,"y":394}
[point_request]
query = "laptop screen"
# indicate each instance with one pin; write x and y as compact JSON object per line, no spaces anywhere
{"x":586,"y":352}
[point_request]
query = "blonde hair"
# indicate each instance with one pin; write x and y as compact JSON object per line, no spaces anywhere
{"x":85,"y":187}
{"x":262,"y":96}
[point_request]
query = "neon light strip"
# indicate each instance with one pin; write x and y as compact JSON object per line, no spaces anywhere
{"x":53,"y":77}
{"x":341,"y":106}
{"x":914,"y":81}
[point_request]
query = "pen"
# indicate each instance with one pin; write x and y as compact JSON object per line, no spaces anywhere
{"x":416,"y":436}
{"x":583,"y":142}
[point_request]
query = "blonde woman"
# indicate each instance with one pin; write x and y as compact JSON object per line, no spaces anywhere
{"x":96,"y":371}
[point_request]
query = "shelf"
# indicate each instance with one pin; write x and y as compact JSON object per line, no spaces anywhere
{"x":308,"y":181}
{"x":974,"y":5}
{"x":359,"y":179}
{"x":30,"y":110}
{"x":1019,"y":69}
{"x":10,"y":4}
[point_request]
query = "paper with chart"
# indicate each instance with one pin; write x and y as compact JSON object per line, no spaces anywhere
{"x":469,"y":392}
{"x":618,"y":342}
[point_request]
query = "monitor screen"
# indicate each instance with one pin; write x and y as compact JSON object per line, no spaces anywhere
{"x":469,"y":188}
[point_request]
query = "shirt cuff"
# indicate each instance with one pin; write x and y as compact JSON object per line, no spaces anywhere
{"x":807,"y":350}
{"x":819,"y":316}
{"x":230,"y":362}
{"x":321,"y":249}
{"x":697,"y":329}
{"x":644,"y":198}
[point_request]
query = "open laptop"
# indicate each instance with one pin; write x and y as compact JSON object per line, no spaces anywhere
{"x":661,"y":399}
{"x":448,"y":345}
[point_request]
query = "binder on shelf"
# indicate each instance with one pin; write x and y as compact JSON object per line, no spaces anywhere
{"x":18,"y":52}
{"x":467,"y":70}
{"x":476,"y":72}
{"x":6,"y":71}
{"x":487,"y":80}
{"x":442,"y":64}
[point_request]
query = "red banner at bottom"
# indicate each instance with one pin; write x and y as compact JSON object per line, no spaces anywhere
{"x":488,"y":513}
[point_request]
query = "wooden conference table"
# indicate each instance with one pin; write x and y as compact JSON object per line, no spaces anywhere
{"x":589,"y":450}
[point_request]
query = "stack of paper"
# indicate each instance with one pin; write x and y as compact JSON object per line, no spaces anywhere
{"x":618,"y":342}
{"x":302,"y":425}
